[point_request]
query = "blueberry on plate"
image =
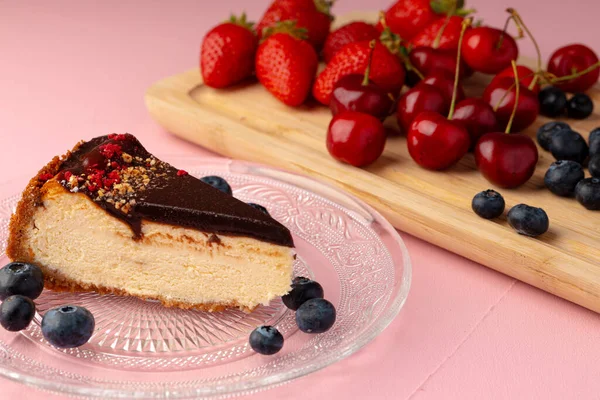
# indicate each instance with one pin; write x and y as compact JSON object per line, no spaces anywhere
{"x":594,"y":140}
{"x":527,"y":220}
{"x":546,"y":131}
{"x":21,"y":278}
{"x":587,"y":193}
{"x":594,"y":166}
{"x":552,"y":101}
{"x":303,"y":289}
{"x":68,"y":326}
{"x":266,"y":340}
{"x":580,"y":106}
{"x":569,"y":145}
{"x":488,"y":204}
{"x":218,"y":183}
{"x":16,"y":313}
{"x":315,"y":316}
{"x":259,"y":208}
{"x":562,"y":177}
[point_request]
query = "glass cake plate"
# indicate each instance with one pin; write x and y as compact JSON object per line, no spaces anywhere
{"x":145,"y":351}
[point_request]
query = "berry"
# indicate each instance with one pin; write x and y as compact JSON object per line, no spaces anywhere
{"x":20,"y":278}
{"x":350,"y":33}
{"x":218,"y":183}
{"x":315,"y":316}
{"x":303,"y":289}
{"x":553,"y":101}
{"x":16,"y":313}
{"x":266,"y":340}
{"x":445,"y":83}
{"x":68,"y":326}
{"x":417,"y":100}
{"x":428,"y":60}
{"x":227,"y":53}
{"x":430,"y":35}
{"x":546,"y":131}
{"x":489,"y":50}
{"x":527,"y":220}
{"x":562,"y":177}
{"x":594,"y":166}
{"x":387,"y":70}
{"x":259,"y":208}
{"x":285,"y":64}
{"x":488,"y":204}
{"x":501,"y":95}
{"x":569,"y":145}
{"x":572,"y":59}
{"x":352,"y":94}
{"x":477,"y":117}
{"x":580,"y":106}
{"x":594,"y":142}
{"x":587,"y":193}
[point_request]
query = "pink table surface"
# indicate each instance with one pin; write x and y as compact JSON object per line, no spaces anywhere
{"x":71,"y":70}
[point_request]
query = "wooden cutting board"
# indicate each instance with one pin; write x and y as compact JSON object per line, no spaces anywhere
{"x":247,"y":123}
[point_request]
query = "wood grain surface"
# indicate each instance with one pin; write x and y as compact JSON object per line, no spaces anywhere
{"x":247,"y":123}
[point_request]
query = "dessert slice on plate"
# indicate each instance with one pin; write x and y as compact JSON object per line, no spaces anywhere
{"x":110,"y":217}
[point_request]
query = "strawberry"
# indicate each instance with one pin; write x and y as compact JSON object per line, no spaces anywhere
{"x":227,"y":53}
{"x":286,"y":64}
{"x":387,"y":70}
{"x":352,"y":32}
{"x":442,"y":33}
{"x":312,"y":15}
{"x":409,"y":17}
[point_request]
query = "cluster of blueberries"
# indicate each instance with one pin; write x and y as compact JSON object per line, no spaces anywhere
{"x":64,"y":327}
{"x":314,"y":314}
{"x":554,"y":103}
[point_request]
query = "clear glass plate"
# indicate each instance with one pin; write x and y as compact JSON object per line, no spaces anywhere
{"x":143,"y":350}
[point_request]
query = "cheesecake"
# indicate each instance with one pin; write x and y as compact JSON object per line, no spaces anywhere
{"x":110,"y":217}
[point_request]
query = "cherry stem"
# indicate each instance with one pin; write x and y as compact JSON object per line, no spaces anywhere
{"x":438,"y":37}
{"x":522,"y":26}
{"x":518,"y":93}
{"x":465,"y":24}
{"x":575,"y":75}
{"x":365,"y":81}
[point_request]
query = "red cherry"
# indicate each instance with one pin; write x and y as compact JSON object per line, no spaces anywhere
{"x":477,"y":117}
{"x":355,"y":138}
{"x":503,"y":94}
{"x":526,"y":76}
{"x":420,"y":98}
{"x":571,"y":59}
{"x":350,"y":94}
{"x":436,"y":143}
{"x":507,"y":160}
{"x":428,"y":60}
{"x":445,"y":82}
{"x":488,"y":50}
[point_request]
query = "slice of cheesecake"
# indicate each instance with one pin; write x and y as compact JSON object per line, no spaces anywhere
{"x":112,"y":218}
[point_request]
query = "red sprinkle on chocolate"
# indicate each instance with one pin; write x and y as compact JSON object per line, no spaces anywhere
{"x":109,"y":150}
{"x":119,"y":136}
{"x":114,"y":164}
{"x":45,"y":177}
{"x":181,"y":172}
{"x":92,"y":188}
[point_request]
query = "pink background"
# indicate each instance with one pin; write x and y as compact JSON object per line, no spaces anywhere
{"x":73,"y":69}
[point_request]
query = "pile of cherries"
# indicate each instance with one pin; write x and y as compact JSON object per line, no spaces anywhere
{"x":442,"y":126}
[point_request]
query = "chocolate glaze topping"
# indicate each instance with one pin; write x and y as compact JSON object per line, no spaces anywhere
{"x":123,"y":178}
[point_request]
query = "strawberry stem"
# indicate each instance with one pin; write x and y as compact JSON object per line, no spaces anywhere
{"x":465,"y":24}
{"x":518,"y":93}
{"x":523,"y":27}
{"x":365,"y":81}
{"x":242,"y":21}
{"x":287,"y":27}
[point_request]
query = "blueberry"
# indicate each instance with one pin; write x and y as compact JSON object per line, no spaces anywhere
{"x":21,"y":278}
{"x":68,"y":326}
{"x":545,"y":132}
{"x":529,"y":221}
{"x":259,"y":208}
{"x":218,"y":183}
{"x":594,"y":166}
{"x":303,"y":289}
{"x":587,"y":193}
{"x":315,"y":316}
{"x":595,"y":142}
{"x":552,"y":101}
{"x":562,"y":177}
{"x":488,"y":204}
{"x":580,"y":106}
{"x":569,"y":145}
{"x":266,"y":340}
{"x":16,"y":313}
